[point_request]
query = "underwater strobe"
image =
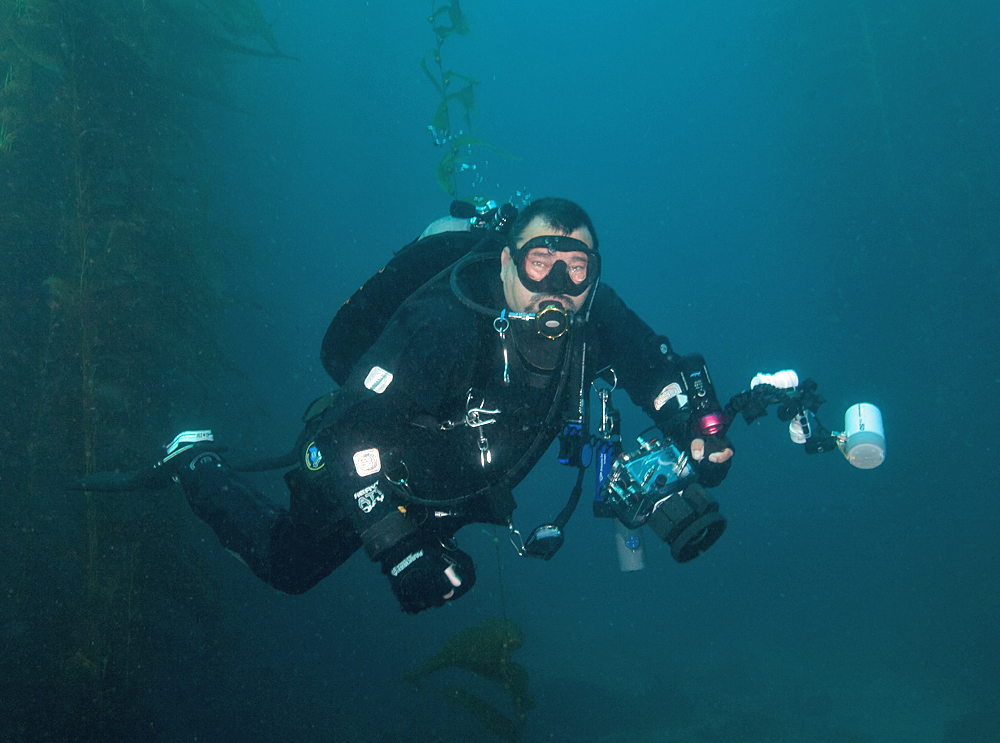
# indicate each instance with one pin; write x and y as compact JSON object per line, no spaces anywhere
{"x":862,"y":442}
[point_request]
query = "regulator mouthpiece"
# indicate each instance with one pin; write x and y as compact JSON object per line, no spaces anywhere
{"x":865,"y":443}
{"x":552,"y":320}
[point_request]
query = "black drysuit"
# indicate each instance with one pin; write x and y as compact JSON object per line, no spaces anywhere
{"x":399,"y":452}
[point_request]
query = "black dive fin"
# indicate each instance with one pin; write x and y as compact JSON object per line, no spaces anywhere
{"x":155,"y":479}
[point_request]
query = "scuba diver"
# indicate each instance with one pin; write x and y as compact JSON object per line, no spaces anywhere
{"x":449,"y":395}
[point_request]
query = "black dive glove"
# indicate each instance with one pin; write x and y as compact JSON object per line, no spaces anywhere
{"x":416,"y":569}
{"x":710,"y":473}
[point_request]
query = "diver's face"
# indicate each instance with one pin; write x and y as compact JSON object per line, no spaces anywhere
{"x":519,"y":297}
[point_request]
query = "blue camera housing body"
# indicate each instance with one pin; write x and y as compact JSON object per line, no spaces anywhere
{"x":641,"y":479}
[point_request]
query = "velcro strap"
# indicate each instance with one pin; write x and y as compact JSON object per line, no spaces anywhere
{"x":383,"y":534}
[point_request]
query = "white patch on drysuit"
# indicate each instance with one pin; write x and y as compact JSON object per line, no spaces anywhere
{"x":367,"y":462}
{"x":378,"y":380}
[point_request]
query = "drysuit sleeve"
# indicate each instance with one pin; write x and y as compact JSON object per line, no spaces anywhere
{"x":399,"y":384}
{"x":656,"y":379}
{"x":643,"y":361}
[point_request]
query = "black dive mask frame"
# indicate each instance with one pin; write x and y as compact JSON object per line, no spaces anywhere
{"x":557,"y":281}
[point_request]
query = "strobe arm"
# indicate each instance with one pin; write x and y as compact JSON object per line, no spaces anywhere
{"x":797,"y":406}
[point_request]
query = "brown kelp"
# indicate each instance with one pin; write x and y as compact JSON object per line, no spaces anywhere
{"x":485,"y":651}
{"x":458,"y":155}
{"x":243,"y":18}
{"x":492,"y":718}
{"x":109,"y":287}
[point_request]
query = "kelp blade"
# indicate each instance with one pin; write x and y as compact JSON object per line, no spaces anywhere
{"x":497,"y":722}
{"x":485,"y":650}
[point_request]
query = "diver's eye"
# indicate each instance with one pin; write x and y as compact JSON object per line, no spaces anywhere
{"x":538,"y":269}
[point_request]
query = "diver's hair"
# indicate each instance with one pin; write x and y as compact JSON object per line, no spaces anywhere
{"x":563,"y":214}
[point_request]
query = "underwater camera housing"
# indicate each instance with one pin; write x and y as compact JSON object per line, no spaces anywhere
{"x":656,"y":485}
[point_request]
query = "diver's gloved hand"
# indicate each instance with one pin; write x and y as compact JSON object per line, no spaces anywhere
{"x":424,"y":573}
{"x":712,"y":456}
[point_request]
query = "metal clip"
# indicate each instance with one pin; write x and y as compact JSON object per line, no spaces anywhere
{"x":519,"y":544}
{"x":604,"y":394}
{"x":501,"y":324}
{"x":681,"y":463}
{"x":474,"y":413}
{"x":475,"y":417}
{"x":607,"y":424}
{"x":485,"y":455}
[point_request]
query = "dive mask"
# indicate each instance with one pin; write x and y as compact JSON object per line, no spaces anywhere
{"x":542,"y":272}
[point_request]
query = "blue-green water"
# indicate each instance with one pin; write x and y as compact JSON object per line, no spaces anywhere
{"x":775,"y":185}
